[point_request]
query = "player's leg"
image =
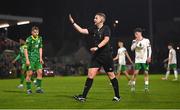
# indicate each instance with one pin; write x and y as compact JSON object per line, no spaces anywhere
{"x":133,"y":79}
{"x":124,"y":70}
{"x":127,"y":77}
{"x":167,"y":73}
{"x":115,"y":85}
{"x":28,"y":81}
{"x":146,"y":80}
{"x":118,"y":74}
{"x":118,"y":71}
{"x":146,"y":77}
{"x":22,"y":78}
{"x":89,"y":81}
{"x":22,"y":75}
{"x":38,"y":68}
{"x":109,"y":68}
{"x":174,"y":66}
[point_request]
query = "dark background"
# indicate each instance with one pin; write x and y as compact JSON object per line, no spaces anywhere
{"x":60,"y":39}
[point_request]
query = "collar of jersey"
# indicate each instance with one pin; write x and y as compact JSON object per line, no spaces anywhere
{"x":34,"y":37}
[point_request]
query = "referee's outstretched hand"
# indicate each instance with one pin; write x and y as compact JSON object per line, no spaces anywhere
{"x":71,"y":19}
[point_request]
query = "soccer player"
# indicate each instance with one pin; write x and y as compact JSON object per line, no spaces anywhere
{"x":172,"y":63}
{"x":100,"y":35}
{"x":21,"y":57}
{"x":33,"y":53}
{"x":143,"y":52}
{"x":121,"y":57}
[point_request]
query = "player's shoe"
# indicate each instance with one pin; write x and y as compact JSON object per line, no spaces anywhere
{"x":20,"y":86}
{"x":80,"y":98}
{"x":29,"y":91}
{"x":116,"y":99}
{"x":175,"y":79}
{"x":164,"y":78}
{"x":39,"y":90}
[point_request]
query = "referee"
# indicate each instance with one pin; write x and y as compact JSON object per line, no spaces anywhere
{"x":100,"y":35}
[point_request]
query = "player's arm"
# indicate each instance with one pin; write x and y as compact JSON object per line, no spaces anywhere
{"x":26,"y":56}
{"x":101,"y":44}
{"x":17,"y":58}
{"x":26,"y":52}
{"x":166,"y":60}
{"x":116,"y":58}
{"x":77,"y":27}
{"x":41,"y":51}
{"x":134,"y":44}
{"x":149,"y":52}
{"x":129,"y":58}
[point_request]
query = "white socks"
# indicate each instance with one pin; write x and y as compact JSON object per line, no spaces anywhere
{"x":133,"y":83}
{"x":167,"y":74}
{"x":175,"y":74}
{"x":146,"y":82}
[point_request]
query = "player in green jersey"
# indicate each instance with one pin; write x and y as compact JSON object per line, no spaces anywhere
{"x":21,"y":57}
{"x":34,"y":61}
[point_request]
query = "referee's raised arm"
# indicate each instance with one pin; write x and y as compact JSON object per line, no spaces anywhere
{"x":77,"y":27}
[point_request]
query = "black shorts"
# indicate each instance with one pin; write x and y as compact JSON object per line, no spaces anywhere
{"x":102,"y":60}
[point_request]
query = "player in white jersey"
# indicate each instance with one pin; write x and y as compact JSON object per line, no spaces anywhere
{"x":172,"y":63}
{"x":121,"y":57}
{"x":143,"y":52}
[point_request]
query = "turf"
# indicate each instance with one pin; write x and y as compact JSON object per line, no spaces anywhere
{"x":59,"y":92}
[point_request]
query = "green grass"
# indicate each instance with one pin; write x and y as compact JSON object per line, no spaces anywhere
{"x":59,"y":92}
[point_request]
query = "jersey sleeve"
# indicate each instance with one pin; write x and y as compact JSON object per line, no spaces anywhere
{"x":149,"y":48}
{"x":148,"y":43}
{"x":107,"y":31}
{"x":27,"y":44}
{"x":40,"y":44}
{"x":118,"y":51}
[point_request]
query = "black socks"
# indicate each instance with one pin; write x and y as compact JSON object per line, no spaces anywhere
{"x":87,"y":87}
{"x":116,"y":87}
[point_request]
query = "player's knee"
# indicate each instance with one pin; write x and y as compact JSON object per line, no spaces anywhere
{"x":111,"y":75}
{"x":29,"y":73}
{"x":39,"y":72}
{"x":91,"y":75}
{"x":146,"y":73}
{"x":28,"y":78}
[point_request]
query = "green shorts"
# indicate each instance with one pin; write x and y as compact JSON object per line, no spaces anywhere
{"x":35,"y":65}
{"x":141,"y":66}
{"x":121,"y":68}
{"x":172,"y":66}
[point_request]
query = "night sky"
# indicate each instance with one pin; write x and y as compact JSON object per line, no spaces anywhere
{"x":57,"y":30}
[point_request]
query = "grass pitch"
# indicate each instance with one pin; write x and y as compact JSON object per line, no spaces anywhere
{"x":60,"y":90}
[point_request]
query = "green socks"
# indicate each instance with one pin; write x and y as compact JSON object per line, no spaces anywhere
{"x":28,"y":85}
{"x":39,"y":82}
{"x":22,"y":77}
